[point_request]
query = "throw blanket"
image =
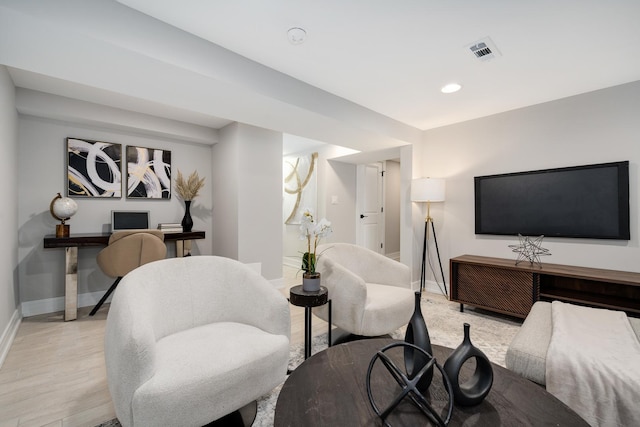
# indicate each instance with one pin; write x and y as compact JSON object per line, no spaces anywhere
{"x":593,"y":364}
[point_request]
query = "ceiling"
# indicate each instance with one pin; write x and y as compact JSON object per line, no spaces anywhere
{"x":367,"y":68}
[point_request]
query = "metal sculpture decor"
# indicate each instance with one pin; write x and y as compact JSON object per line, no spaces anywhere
{"x":409,"y":386}
{"x":530,"y":250}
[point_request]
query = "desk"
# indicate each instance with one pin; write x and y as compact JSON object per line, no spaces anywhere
{"x":329,"y":389}
{"x":73,"y":242}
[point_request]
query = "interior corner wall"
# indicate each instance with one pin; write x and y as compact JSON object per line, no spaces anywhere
{"x":248,"y":201}
{"x":9,"y":293}
{"x":596,"y":127}
{"x":225,"y":193}
{"x":42,"y":174}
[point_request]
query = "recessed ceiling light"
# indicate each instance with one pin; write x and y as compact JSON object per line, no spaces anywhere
{"x":296,"y":35}
{"x":451,"y":88}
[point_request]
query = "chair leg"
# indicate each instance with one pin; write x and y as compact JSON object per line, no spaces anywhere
{"x":105,"y":296}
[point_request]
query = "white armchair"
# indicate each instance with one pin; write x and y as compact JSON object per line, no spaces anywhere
{"x":370,"y":294}
{"x":190,"y":340}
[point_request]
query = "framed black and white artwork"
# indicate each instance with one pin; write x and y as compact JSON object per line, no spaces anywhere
{"x":148,"y":173}
{"x":94,"y":168}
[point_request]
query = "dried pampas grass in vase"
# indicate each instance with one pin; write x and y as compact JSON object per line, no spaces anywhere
{"x":188,"y":190}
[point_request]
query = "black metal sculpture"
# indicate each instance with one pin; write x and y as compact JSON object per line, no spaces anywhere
{"x":409,"y":386}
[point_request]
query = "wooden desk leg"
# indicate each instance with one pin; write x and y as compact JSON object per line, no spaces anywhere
{"x":183,"y":248}
{"x":71,"y":284}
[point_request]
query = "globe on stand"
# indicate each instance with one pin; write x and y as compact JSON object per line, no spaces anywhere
{"x":62,"y":208}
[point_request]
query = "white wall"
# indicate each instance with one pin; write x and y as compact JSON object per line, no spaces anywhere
{"x":260,"y":199}
{"x":336,"y":181}
{"x":596,"y":127}
{"x":9,"y":294}
{"x":225,"y":193}
{"x":42,"y":174}
{"x":247,"y":167}
{"x":392,"y":207}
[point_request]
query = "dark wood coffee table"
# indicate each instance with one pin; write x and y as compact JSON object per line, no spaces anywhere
{"x":329,"y":389}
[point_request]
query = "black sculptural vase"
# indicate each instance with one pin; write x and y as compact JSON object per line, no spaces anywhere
{"x":476,"y":388}
{"x":187,"y":221}
{"x":418,"y":335}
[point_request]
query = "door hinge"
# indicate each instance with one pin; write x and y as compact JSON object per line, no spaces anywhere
{"x":380,"y":245}
{"x":381,"y":209}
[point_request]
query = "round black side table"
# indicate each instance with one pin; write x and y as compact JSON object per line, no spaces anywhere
{"x":308,"y":300}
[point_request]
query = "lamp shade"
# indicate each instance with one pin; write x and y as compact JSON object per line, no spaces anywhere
{"x":427,"y":190}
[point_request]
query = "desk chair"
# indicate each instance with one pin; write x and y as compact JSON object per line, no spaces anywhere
{"x":126,"y":251}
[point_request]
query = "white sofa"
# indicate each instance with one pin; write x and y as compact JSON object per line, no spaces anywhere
{"x":527,"y":353}
{"x":189,"y":340}
{"x":370,"y":294}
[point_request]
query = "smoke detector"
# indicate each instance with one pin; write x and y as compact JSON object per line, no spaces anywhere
{"x":296,"y":35}
{"x":484,"y":49}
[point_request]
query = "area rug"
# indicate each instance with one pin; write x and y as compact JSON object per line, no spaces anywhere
{"x":489,"y":332}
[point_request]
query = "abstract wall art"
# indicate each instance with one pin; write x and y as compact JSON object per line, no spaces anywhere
{"x":93,"y":169}
{"x":300,"y":186}
{"x":148,"y":173}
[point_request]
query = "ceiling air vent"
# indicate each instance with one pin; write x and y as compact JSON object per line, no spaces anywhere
{"x":484,"y":50}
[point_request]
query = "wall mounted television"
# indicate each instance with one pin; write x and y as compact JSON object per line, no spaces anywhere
{"x":589,"y":201}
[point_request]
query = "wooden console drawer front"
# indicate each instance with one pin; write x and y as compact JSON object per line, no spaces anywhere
{"x":507,"y":291}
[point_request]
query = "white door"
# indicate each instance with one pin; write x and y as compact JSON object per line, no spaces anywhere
{"x":370,"y":220}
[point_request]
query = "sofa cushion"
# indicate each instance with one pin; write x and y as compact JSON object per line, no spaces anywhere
{"x":527,"y":352}
{"x":196,"y":366}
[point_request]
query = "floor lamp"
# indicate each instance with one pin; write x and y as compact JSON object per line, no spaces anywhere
{"x":428,"y":190}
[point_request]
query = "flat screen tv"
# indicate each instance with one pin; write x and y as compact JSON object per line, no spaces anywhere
{"x":589,"y":201}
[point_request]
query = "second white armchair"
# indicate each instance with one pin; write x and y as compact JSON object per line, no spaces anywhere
{"x":371,"y":294}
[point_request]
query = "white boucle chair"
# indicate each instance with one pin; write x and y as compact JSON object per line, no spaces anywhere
{"x":189,"y":340}
{"x":370,"y":294}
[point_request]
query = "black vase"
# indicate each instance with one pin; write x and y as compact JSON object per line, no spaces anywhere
{"x":187,"y":221}
{"x":476,"y":388}
{"x":418,"y":335}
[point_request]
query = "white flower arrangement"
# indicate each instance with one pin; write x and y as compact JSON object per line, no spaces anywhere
{"x":312,"y":232}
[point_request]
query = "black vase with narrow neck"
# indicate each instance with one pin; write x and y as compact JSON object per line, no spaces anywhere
{"x":418,"y":335}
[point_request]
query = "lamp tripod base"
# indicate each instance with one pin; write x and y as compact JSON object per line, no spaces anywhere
{"x":428,"y":221}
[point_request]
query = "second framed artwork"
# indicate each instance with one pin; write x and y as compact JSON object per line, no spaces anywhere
{"x":148,"y":173}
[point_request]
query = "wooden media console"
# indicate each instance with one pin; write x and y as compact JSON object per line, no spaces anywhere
{"x":498,"y":285}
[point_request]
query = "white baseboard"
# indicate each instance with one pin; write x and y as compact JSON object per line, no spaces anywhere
{"x":9,"y":334}
{"x":429,"y":286}
{"x":277,"y":283}
{"x":433,"y":287}
{"x":51,"y":305}
{"x":393,"y":255}
{"x":291,"y":261}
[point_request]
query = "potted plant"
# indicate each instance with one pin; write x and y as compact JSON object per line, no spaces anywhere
{"x":312,"y":232}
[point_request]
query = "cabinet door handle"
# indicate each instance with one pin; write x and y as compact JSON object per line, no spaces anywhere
{"x":363,"y":216}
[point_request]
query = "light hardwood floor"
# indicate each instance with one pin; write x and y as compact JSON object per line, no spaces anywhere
{"x":54,"y":374}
